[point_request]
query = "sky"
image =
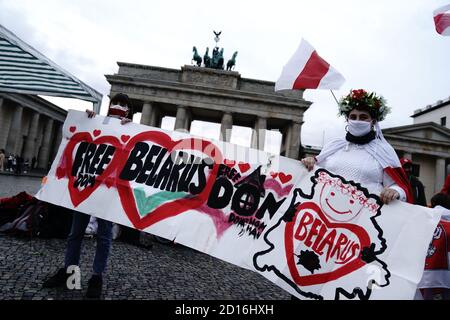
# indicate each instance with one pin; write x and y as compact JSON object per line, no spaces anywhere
{"x":390,"y":47}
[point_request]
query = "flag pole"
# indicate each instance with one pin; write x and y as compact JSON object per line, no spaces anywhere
{"x":334,"y":97}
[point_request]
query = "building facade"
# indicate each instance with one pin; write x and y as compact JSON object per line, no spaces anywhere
{"x":30,"y":127}
{"x":438,"y":113}
{"x":197,"y":93}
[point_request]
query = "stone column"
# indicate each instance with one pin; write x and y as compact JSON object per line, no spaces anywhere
{"x":39,"y":139}
{"x":291,"y":138}
{"x":57,"y":141}
{"x":44,"y":155}
{"x":180,"y":121}
{"x":30,"y":143}
{"x":285,"y":140}
{"x":226,"y":126}
{"x":294,"y":147}
{"x":148,"y":114}
{"x":158,"y":119}
{"x":188,"y":120}
{"x":439,"y":174}
{"x":15,"y":131}
{"x":5,"y":124}
{"x":259,"y":133}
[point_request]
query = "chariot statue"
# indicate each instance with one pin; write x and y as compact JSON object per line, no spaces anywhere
{"x":216,"y":60}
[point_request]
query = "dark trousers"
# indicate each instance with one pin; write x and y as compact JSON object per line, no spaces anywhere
{"x":104,"y":238}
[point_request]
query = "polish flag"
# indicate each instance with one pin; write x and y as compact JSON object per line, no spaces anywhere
{"x":442,"y":20}
{"x":307,"y":70}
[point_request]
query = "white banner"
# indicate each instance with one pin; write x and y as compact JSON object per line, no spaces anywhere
{"x":314,"y":234}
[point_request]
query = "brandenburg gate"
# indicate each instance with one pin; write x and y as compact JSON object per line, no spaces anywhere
{"x":213,"y":95}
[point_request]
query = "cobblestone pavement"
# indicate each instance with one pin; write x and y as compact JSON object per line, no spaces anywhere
{"x":159,"y":273}
{"x":163,"y":272}
{"x":10,"y":185}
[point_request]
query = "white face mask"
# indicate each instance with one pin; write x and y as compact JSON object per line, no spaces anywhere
{"x":359,"y":128}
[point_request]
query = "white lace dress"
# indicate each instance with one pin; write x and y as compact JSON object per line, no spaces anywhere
{"x":354,"y":163}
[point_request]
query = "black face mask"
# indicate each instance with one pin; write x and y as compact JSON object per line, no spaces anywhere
{"x":362,"y":139}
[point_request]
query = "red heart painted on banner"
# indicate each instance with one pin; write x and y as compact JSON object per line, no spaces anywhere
{"x":97,"y":132}
{"x":243,"y":166}
{"x":175,"y":207}
{"x":72,"y":129}
{"x":318,"y":278}
{"x":230,"y":163}
{"x":65,"y":167}
{"x":60,"y":172}
{"x":109,"y":182}
{"x":274,"y":174}
{"x":124,"y":137}
{"x":284,"y":177}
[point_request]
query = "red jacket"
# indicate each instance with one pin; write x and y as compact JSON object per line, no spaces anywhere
{"x":446,"y":187}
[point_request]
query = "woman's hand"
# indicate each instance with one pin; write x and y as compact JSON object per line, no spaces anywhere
{"x":309,"y":162}
{"x":388,"y":194}
{"x":90,"y":113}
{"x":124,"y":120}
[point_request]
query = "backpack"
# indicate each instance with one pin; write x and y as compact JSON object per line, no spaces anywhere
{"x":29,"y":220}
{"x":11,"y":207}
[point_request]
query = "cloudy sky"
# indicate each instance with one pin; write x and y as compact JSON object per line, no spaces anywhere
{"x":389,"y":47}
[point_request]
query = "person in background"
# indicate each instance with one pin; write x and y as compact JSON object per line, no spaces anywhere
{"x":417,"y":187}
{"x":437,"y":259}
{"x":33,"y":163}
{"x":446,"y":186}
{"x":120,"y":108}
{"x":9,"y":163}
{"x":2,"y":159}
{"x":26,"y":166}
{"x":19,"y":164}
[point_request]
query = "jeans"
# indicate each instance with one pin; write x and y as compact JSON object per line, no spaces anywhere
{"x":104,"y":238}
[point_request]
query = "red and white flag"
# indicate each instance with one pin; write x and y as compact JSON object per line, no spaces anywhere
{"x":307,"y":70}
{"x":442,"y":20}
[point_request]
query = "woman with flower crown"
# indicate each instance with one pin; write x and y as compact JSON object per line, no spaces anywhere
{"x":364,"y":155}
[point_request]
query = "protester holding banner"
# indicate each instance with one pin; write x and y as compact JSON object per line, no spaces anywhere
{"x":417,"y":187}
{"x":435,"y":282}
{"x":365,"y":156}
{"x":2,"y":159}
{"x":119,"y":108}
{"x":446,"y":186}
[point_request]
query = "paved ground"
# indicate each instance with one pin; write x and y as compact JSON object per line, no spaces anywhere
{"x":162,"y":272}
{"x":11,"y":184}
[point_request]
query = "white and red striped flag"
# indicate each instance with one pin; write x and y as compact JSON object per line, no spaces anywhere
{"x":442,"y":20}
{"x":307,"y":70}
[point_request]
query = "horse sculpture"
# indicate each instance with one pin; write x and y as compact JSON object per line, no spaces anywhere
{"x":196,"y":57}
{"x":220,"y":60}
{"x":232,"y":62}
{"x":207,"y":59}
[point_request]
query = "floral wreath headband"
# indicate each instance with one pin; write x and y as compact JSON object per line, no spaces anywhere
{"x":375,"y":105}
